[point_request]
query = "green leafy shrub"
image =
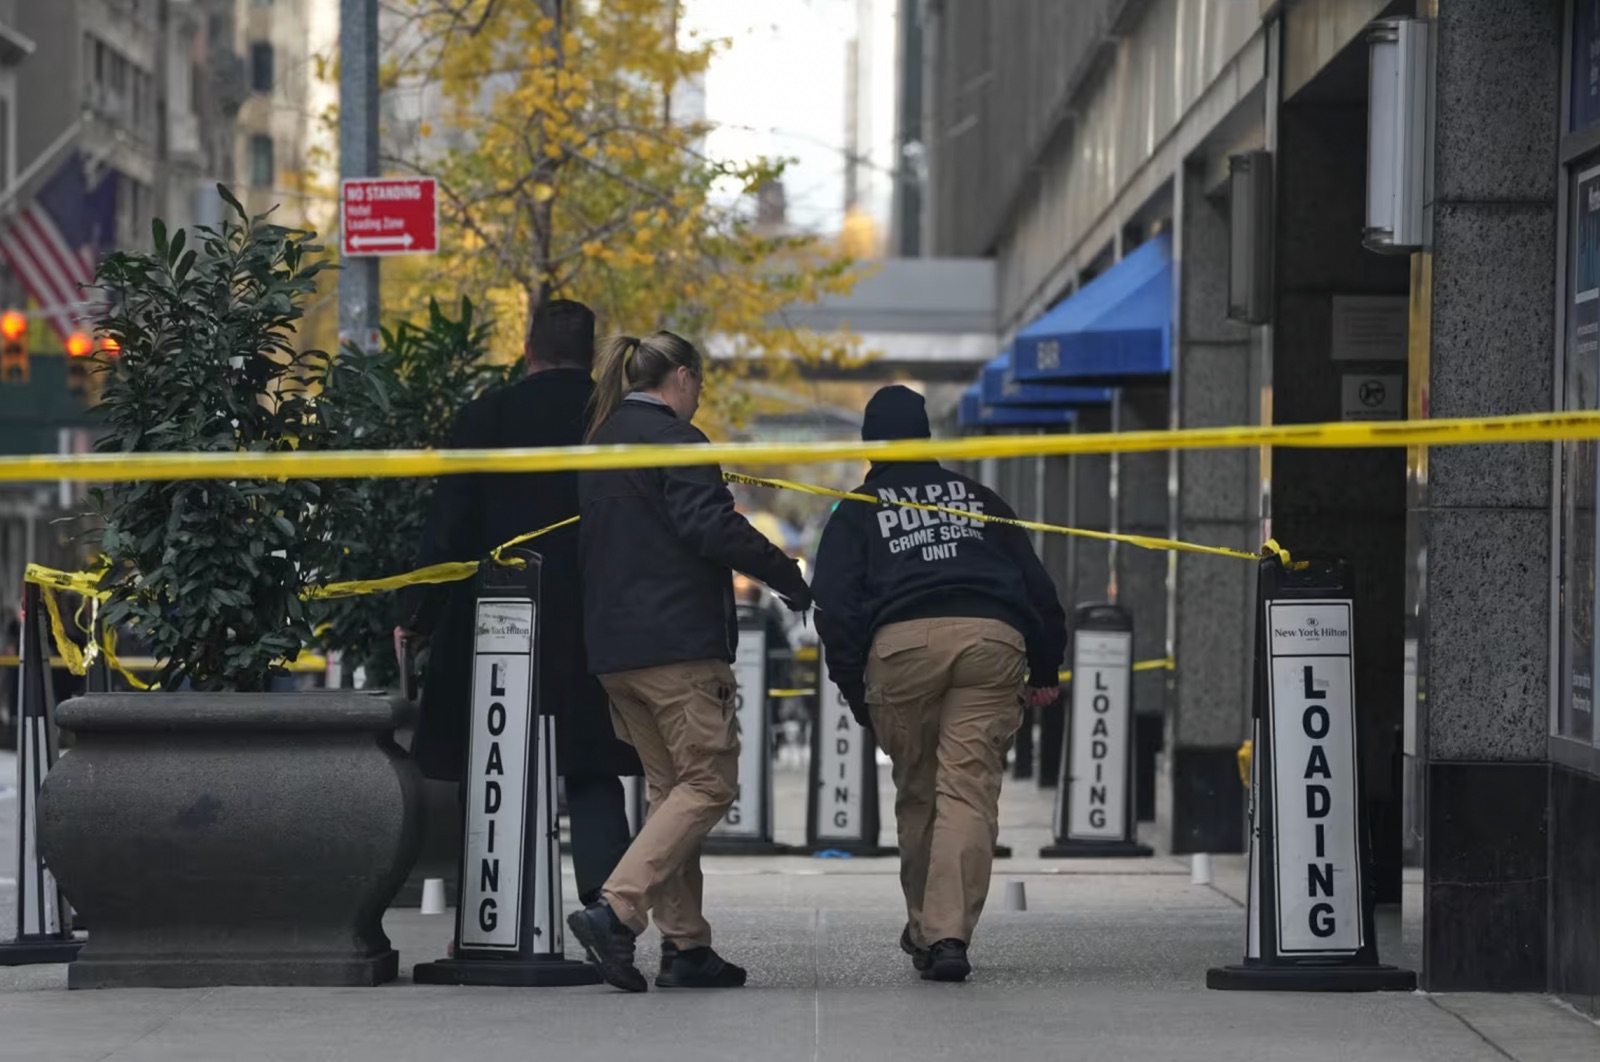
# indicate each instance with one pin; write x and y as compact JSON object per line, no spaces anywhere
{"x":210,"y":572}
{"x":402,"y":396}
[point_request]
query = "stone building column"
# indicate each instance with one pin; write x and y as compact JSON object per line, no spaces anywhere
{"x":1485,"y":520}
{"x":1214,"y":383}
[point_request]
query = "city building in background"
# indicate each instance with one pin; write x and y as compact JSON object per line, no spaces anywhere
{"x":112,"y":113}
{"x":14,"y":48}
{"x":882,"y":129}
{"x":1213,"y":186}
{"x":278,"y":120}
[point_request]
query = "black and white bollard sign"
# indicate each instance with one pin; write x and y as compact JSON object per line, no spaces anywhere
{"x":1094,"y":814}
{"x":843,"y":813}
{"x":43,"y":929}
{"x":509,"y":926}
{"x":1311,"y":898}
{"x":746,"y":828}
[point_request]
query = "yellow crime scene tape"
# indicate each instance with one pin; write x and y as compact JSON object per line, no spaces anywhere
{"x":448,"y":572}
{"x":77,"y":660}
{"x":87,"y":584}
{"x":308,"y":664}
{"x":1142,"y":541}
{"x":360,"y":464}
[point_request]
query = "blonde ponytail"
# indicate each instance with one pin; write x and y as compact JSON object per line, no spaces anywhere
{"x":610,"y":380}
{"x":625,"y":364}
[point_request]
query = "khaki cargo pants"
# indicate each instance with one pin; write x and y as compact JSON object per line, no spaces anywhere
{"x":946,"y":702}
{"x":680,"y":719}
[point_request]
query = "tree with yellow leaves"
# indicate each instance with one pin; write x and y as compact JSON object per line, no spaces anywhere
{"x":563,"y":172}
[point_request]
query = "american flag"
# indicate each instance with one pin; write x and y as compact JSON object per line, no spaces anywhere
{"x":54,"y":244}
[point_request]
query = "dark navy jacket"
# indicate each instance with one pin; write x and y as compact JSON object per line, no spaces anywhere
{"x":658,"y":548}
{"x":884,"y":563}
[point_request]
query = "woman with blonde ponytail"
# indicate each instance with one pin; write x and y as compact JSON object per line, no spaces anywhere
{"x":658,"y":548}
{"x":611,"y":360}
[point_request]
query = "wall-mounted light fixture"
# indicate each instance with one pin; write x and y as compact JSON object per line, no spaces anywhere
{"x":1397,"y":134}
{"x":1250,"y":237}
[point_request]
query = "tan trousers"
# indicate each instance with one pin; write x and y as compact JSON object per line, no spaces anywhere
{"x":946,"y":701}
{"x":680,"y":719}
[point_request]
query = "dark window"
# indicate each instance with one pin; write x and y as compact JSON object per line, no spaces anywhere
{"x":261,"y":67}
{"x":261,"y":168}
{"x":1585,"y":77}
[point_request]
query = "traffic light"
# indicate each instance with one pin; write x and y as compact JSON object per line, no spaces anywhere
{"x":79,"y":349}
{"x":13,"y":348}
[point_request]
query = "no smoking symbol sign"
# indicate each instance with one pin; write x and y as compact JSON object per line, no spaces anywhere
{"x":1372,"y":393}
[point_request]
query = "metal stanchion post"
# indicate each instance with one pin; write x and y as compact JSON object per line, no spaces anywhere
{"x":509,"y":925}
{"x":1310,"y":924}
{"x":43,"y":929}
{"x":1094,"y":812}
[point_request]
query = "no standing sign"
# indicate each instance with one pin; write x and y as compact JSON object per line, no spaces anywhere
{"x":388,"y":215}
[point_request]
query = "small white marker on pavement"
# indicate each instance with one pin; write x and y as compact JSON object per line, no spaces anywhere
{"x":1200,"y":868}
{"x":433,"y":896}
{"x":1016,"y":896}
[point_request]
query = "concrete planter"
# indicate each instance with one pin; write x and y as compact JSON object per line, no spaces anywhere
{"x":439,"y":855}
{"x":232,"y":839}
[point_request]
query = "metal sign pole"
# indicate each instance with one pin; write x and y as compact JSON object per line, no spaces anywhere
{"x":1094,"y":811}
{"x":1311,"y":897}
{"x":509,"y":927}
{"x":43,"y":930}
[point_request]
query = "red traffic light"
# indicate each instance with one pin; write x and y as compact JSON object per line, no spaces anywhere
{"x":79,"y":345}
{"x":13,"y":324}
{"x":110,"y":347}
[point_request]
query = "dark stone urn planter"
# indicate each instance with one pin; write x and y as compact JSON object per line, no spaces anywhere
{"x":232,"y":839}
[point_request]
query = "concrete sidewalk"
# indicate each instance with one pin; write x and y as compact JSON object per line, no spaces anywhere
{"x":1108,"y":963}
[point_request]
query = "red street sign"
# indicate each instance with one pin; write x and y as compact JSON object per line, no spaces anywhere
{"x":388,"y":215}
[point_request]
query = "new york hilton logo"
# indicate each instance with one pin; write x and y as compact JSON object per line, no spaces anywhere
{"x":503,"y":627}
{"x":1313,"y":629}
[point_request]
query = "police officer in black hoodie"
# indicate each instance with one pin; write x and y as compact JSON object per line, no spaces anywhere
{"x":658,"y":548}
{"x":935,"y":626}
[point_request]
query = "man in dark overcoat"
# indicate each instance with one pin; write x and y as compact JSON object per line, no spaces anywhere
{"x":470,"y":515}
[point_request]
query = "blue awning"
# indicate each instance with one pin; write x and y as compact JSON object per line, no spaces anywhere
{"x":1117,"y":329}
{"x":999,"y":387}
{"x":975,"y":413}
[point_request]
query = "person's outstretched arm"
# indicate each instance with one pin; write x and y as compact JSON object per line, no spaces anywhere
{"x":701,"y":509}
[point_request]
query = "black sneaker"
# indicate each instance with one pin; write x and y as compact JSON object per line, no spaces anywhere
{"x":698,"y":968}
{"x":610,"y":946}
{"x":947,"y":962}
{"x":919,"y":956}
